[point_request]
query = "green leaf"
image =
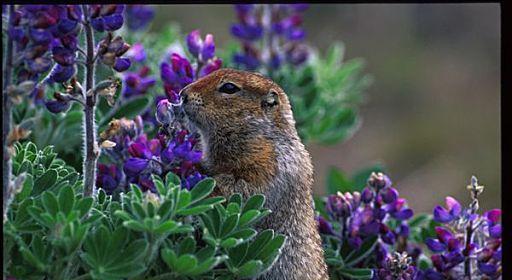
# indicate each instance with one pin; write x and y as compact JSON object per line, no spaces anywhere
{"x":244,"y":234}
{"x":229,"y":225}
{"x":357,"y":273}
{"x":254,"y":202}
{"x":236,"y":198}
{"x":250,"y":269}
{"x":202,"y":189}
{"x":66,"y":199}
{"x":172,"y":179}
{"x":134,"y":225}
{"x":259,"y":243}
{"x":137,"y":191}
{"x":187,"y":246}
{"x":337,"y":182}
{"x":249,"y":217}
{"x":272,"y":248}
{"x":205,"y":266}
{"x":167,"y":226}
{"x":50,"y":203}
{"x":193,"y":210}
{"x":160,"y":187}
{"x":186,"y":263}
{"x":229,"y":243}
{"x":169,"y":257}
{"x":46,"y":181}
{"x":28,"y":185}
{"x":419,"y":220}
{"x":84,"y":205}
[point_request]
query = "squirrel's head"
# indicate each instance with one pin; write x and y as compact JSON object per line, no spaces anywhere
{"x":232,"y":99}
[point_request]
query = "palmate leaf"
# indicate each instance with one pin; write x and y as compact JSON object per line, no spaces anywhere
{"x":108,"y":256}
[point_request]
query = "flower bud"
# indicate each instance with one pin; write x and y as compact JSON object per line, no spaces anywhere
{"x":379,"y":181}
{"x":208,"y":50}
{"x":367,"y":195}
{"x":194,"y":42}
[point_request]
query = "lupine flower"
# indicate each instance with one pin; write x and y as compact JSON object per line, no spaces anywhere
{"x":139,"y":16}
{"x":324,"y":226}
{"x":466,"y":238}
{"x":176,"y":74}
{"x":397,"y":267}
{"x":43,"y":32}
{"x":201,"y":50}
{"x":452,"y":211}
{"x":280,"y":25}
{"x":109,"y":177}
{"x":138,"y":83}
{"x":177,"y":71}
{"x":111,"y":51}
{"x":367,"y":214}
{"x":106,"y":17}
{"x":138,"y":157}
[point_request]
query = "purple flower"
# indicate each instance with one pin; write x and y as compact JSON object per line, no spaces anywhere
{"x":139,"y":16}
{"x":202,"y":51}
{"x":63,"y":56}
{"x":57,"y":106}
{"x":444,"y":215}
{"x":282,"y":28}
{"x":212,"y":65}
{"x":367,"y":195}
{"x":122,"y":64}
{"x":106,"y":17}
{"x":194,"y":43}
{"x":178,"y":73}
{"x":60,"y":74}
{"x":324,"y":226}
{"x":192,"y":180}
{"x":134,"y":166}
{"x":379,"y":181}
{"x":109,"y":177}
{"x":247,"y":32}
{"x":135,"y":84}
{"x":137,"y":53}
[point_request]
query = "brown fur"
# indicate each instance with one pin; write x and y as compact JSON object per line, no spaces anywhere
{"x":250,"y":148}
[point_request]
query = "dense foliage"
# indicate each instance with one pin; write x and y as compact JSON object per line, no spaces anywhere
{"x":92,"y":78}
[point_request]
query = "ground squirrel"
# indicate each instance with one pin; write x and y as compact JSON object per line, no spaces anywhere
{"x":251,"y":146}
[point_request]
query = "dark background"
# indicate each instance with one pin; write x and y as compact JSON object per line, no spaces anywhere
{"x":432,"y":114}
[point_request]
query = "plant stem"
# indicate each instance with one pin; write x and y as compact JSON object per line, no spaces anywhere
{"x":467,"y":261}
{"x":91,"y":147}
{"x":6,"y":116}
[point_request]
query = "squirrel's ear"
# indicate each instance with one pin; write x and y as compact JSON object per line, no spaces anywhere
{"x":271,"y":99}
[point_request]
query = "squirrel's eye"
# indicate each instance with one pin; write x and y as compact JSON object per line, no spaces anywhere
{"x":229,"y":88}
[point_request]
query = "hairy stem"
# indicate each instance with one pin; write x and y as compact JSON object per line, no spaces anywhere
{"x":467,"y":261}
{"x":469,"y":230}
{"x":6,"y":116}
{"x":91,"y":151}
